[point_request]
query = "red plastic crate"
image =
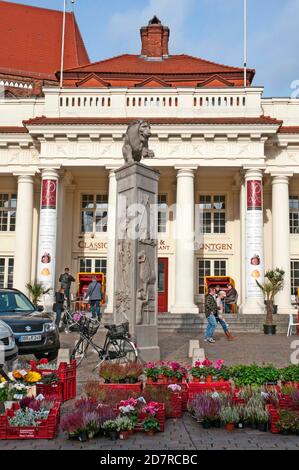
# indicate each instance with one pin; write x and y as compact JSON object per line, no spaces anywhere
{"x":134,"y":388}
{"x":197,"y":387}
{"x":67,"y":375}
{"x":47,"y":429}
{"x":51,"y":391}
{"x":183,"y":394}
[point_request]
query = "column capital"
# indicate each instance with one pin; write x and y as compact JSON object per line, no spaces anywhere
{"x":280,"y":178}
{"x":252,"y":173}
{"x":50,"y":173}
{"x":187,"y":172}
{"x":25,"y":178}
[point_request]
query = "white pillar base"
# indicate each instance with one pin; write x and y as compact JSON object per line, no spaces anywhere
{"x":184,"y":309}
{"x":253,"y":307}
{"x":287,"y":309}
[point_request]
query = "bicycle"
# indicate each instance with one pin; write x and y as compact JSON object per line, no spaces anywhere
{"x":118,"y":345}
{"x":69,"y":323}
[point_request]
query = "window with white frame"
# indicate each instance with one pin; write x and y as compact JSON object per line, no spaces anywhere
{"x":210,"y":267}
{"x":8,"y":209}
{"x":6,"y":272}
{"x":94,"y":213}
{"x":294,"y":214}
{"x":162,"y":213}
{"x":212,"y":213}
{"x":93,"y":265}
{"x":294,"y":276}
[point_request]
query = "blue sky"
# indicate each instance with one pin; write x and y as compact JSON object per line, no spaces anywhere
{"x":211,"y":29}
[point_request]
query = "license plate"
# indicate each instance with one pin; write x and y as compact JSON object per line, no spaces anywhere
{"x":29,"y":339}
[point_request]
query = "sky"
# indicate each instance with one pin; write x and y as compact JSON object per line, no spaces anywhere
{"x":211,"y":29}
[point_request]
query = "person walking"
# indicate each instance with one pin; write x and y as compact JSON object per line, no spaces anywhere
{"x":220,"y":300}
{"x":211,"y":312}
{"x":94,"y":294}
{"x":231,"y":298}
{"x":66,"y":280}
{"x":59,"y":305}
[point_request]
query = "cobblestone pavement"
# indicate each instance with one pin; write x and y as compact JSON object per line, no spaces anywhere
{"x":185,"y":433}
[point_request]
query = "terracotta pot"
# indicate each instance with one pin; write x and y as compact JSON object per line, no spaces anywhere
{"x":150,"y":433}
{"x":209,"y":379}
{"x":195,"y":380}
{"x":230,"y":427}
{"x":124,"y":435}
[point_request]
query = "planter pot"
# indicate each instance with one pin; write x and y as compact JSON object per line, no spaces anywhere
{"x":150,"y":433}
{"x":206,"y":424}
{"x":263,"y":427}
{"x":124,"y":435}
{"x":82,"y":437}
{"x":195,"y":380}
{"x":216,"y":424}
{"x":209,"y":379}
{"x":114,"y":435}
{"x":230,"y":427}
{"x":270,"y":329}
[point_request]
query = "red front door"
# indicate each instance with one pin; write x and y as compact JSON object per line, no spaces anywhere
{"x":163,"y":285}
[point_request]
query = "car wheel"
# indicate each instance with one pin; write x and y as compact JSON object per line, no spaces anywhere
{"x":51,"y":356}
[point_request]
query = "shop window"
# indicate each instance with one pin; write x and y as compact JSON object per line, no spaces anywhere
{"x":6,"y":272}
{"x":8,"y":209}
{"x":294,"y":214}
{"x":294,"y":276}
{"x":162,"y":213}
{"x":92,"y":265}
{"x":210,"y":267}
{"x":94,"y":213}
{"x":212,"y":214}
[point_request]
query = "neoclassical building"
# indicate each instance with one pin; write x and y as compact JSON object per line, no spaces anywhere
{"x":222,"y":150}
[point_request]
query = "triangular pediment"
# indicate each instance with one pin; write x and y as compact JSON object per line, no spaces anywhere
{"x":153,"y":82}
{"x":92,"y":81}
{"x":216,"y":81}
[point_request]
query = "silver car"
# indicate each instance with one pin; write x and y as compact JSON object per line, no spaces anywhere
{"x":8,"y":347}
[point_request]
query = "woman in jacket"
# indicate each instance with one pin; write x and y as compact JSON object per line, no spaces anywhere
{"x":94,"y":294}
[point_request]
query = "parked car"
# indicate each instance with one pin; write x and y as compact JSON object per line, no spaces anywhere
{"x":35,"y":332}
{"x":8,"y":347}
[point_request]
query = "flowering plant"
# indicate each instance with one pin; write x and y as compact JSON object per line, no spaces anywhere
{"x":151,"y":408}
{"x":206,"y":368}
{"x":174,"y":388}
{"x":153,"y":370}
{"x":28,"y":417}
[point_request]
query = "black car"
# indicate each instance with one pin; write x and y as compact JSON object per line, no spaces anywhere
{"x":35,"y":332}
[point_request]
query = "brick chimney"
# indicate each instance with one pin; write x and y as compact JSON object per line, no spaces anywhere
{"x":155,"y":39}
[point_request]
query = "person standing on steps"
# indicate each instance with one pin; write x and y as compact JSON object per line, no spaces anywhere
{"x":94,"y":294}
{"x":220,"y":300}
{"x":66,"y":280}
{"x":211,"y":311}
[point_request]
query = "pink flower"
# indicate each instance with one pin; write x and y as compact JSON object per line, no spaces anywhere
{"x":207,"y":363}
{"x":219,"y":363}
{"x":175,"y":366}
{"x":150,"y":365}
{"x":198,"y":364}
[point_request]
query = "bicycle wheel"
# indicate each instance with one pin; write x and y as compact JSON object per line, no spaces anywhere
{"x":121,"y":351}
{"x":80,"y":350}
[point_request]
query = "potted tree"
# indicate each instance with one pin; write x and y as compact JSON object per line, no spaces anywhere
{"x":36,"y":291}
{"x":274,"y":282}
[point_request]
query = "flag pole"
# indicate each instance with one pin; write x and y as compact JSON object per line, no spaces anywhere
{"x":63,"y":43}
{"x":245,"y":43}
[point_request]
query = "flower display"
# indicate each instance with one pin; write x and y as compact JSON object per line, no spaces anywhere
{"x":151,"y":408}
{"x":174,"y":387}
{"x":33,"y":377}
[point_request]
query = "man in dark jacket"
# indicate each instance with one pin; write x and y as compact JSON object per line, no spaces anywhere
{"x":94,"y":293}
{"x":66,"y":280}
{"x":211,"y":311}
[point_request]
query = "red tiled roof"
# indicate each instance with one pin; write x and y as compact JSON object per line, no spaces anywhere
{"x":13,"y":130}
{"x":289,"y":130}
{"x":30,"y":40}
{"x":43,"y":120}
{"x":175,"y":64}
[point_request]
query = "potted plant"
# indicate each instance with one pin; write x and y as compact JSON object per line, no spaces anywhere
{"x":124,"y":426}
{"x":274,"y":283}
{"x":36,"y":292}
{"x":230,"y":417}
{"x":288,"y":422}
{"x":133,"y":371}
{"x":153,"y":372}
{"x":151,"y":425}
{"x":112,"y":429}
{"x":262,"y":417}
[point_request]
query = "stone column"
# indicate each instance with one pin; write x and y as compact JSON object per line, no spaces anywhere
{"x":281,"y":238}
{"x":184,"y":253}
{"x":24,"y":227}
{"x":111,"y":228}
{"x":254,"y":242}
{"x":46,"y":262}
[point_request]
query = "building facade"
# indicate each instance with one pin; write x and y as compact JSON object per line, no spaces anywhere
{"x":229,"y":175}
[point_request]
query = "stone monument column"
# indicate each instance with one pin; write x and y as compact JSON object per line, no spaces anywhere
{"x":136,"y":251}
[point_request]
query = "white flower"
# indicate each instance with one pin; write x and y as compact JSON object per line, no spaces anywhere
{"x":3,"y":384}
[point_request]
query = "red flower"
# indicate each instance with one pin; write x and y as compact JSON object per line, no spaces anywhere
{"x":207,"y":363}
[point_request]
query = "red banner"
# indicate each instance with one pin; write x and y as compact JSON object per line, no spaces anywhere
{"x":254,"y":195}
{"x":49,"y":193}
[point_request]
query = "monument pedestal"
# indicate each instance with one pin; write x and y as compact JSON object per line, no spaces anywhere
{"x":136,"y":256}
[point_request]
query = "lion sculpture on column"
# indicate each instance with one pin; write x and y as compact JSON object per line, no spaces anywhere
{"x":136,"y":142}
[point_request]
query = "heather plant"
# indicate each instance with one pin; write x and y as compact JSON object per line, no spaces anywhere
{"x":205,"y":408}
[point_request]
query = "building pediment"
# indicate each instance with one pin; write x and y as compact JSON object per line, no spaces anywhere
{"x":93,"y":81}
{"x":216,"y":81}
{"x":153,"y":82}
